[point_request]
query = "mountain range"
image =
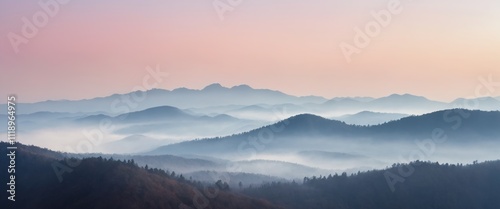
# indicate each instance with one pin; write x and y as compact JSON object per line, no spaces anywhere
{"x":475,"y":125}
{"x":216,"y":95}
{"x":259,"y":130}
{"x":212,"y":95}
{"x":434,"y":136}
{"x":105,"y":182}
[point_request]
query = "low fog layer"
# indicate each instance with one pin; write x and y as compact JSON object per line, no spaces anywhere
{"x":289,"y":138}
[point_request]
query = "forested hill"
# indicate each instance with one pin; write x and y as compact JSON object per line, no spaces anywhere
{"x":415,"y":186}
{"x":105,"y":183}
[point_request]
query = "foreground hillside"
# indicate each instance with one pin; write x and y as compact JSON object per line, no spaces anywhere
{"x":410,"y":186}
{"x":104,"y":183}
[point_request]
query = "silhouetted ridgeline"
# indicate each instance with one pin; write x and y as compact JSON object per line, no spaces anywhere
{"x":459,"y":126}
{"x":430,"y":186}
{"x":104,"y":183}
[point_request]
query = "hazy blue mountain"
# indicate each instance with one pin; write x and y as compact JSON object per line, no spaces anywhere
{"x":251,"y":108}
{"x":165,"y":123}
{"x":395,"y":103}
{"x":243,"y":95}
{"x":216,"y":99}
{"x":360,"y":99}
{"x":211,"y":95}
{"x":46,"y":116}
{"x":483,"y":103}
{"x":296,"y":126}
{"x":343,"y":104}
{"x":132,"y":144}
{"x":173,"y":123}
{"x":98,"y":104}
{"x":257,"y":112}
{"x":369,"y":118}
{"x":93,"y":119}
{"x":212,"y":110}
{"x":406,"y":102}
{"x":309,"y":131}
{"x":288,"y":107}
{"x":161,"y":113}
{"x":41,"y":120}
{"x":402,"y":98}
{"x":459,"y":125}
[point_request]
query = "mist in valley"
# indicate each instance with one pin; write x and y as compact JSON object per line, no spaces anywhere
{"x":271,"y":142}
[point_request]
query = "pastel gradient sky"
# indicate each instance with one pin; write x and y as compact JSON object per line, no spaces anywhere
{"x":91,"y":48}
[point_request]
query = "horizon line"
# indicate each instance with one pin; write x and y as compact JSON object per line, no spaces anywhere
{"x":232,"y":87}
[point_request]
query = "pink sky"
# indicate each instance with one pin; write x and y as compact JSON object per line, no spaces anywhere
{"x":91,"y":48}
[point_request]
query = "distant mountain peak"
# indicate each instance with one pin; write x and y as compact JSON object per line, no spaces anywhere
{"x":242,"y":87}
{"x":402,"y":95}
{"x":181,"y":89}
{"x":160,"y":111}
{"x":479,"y":99}
{"x":162,"y":108}
{"x":214,"y":86}
{"x":307,"y":117}
{"x":156,"y":90}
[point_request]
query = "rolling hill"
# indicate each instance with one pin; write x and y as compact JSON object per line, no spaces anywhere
{"x":430,"y":185}
{"x":107,"y":183}
{"x":303,"y":131}
{"x":369,"y":118}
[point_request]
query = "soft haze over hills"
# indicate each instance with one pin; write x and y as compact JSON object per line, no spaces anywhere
{"x":283,"y":104}
{"x":216,"y":96}
{"x":170,"y":116}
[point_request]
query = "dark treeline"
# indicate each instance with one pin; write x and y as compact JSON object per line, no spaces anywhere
{"x":108,"y":183}
{"x":426,"y":185}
